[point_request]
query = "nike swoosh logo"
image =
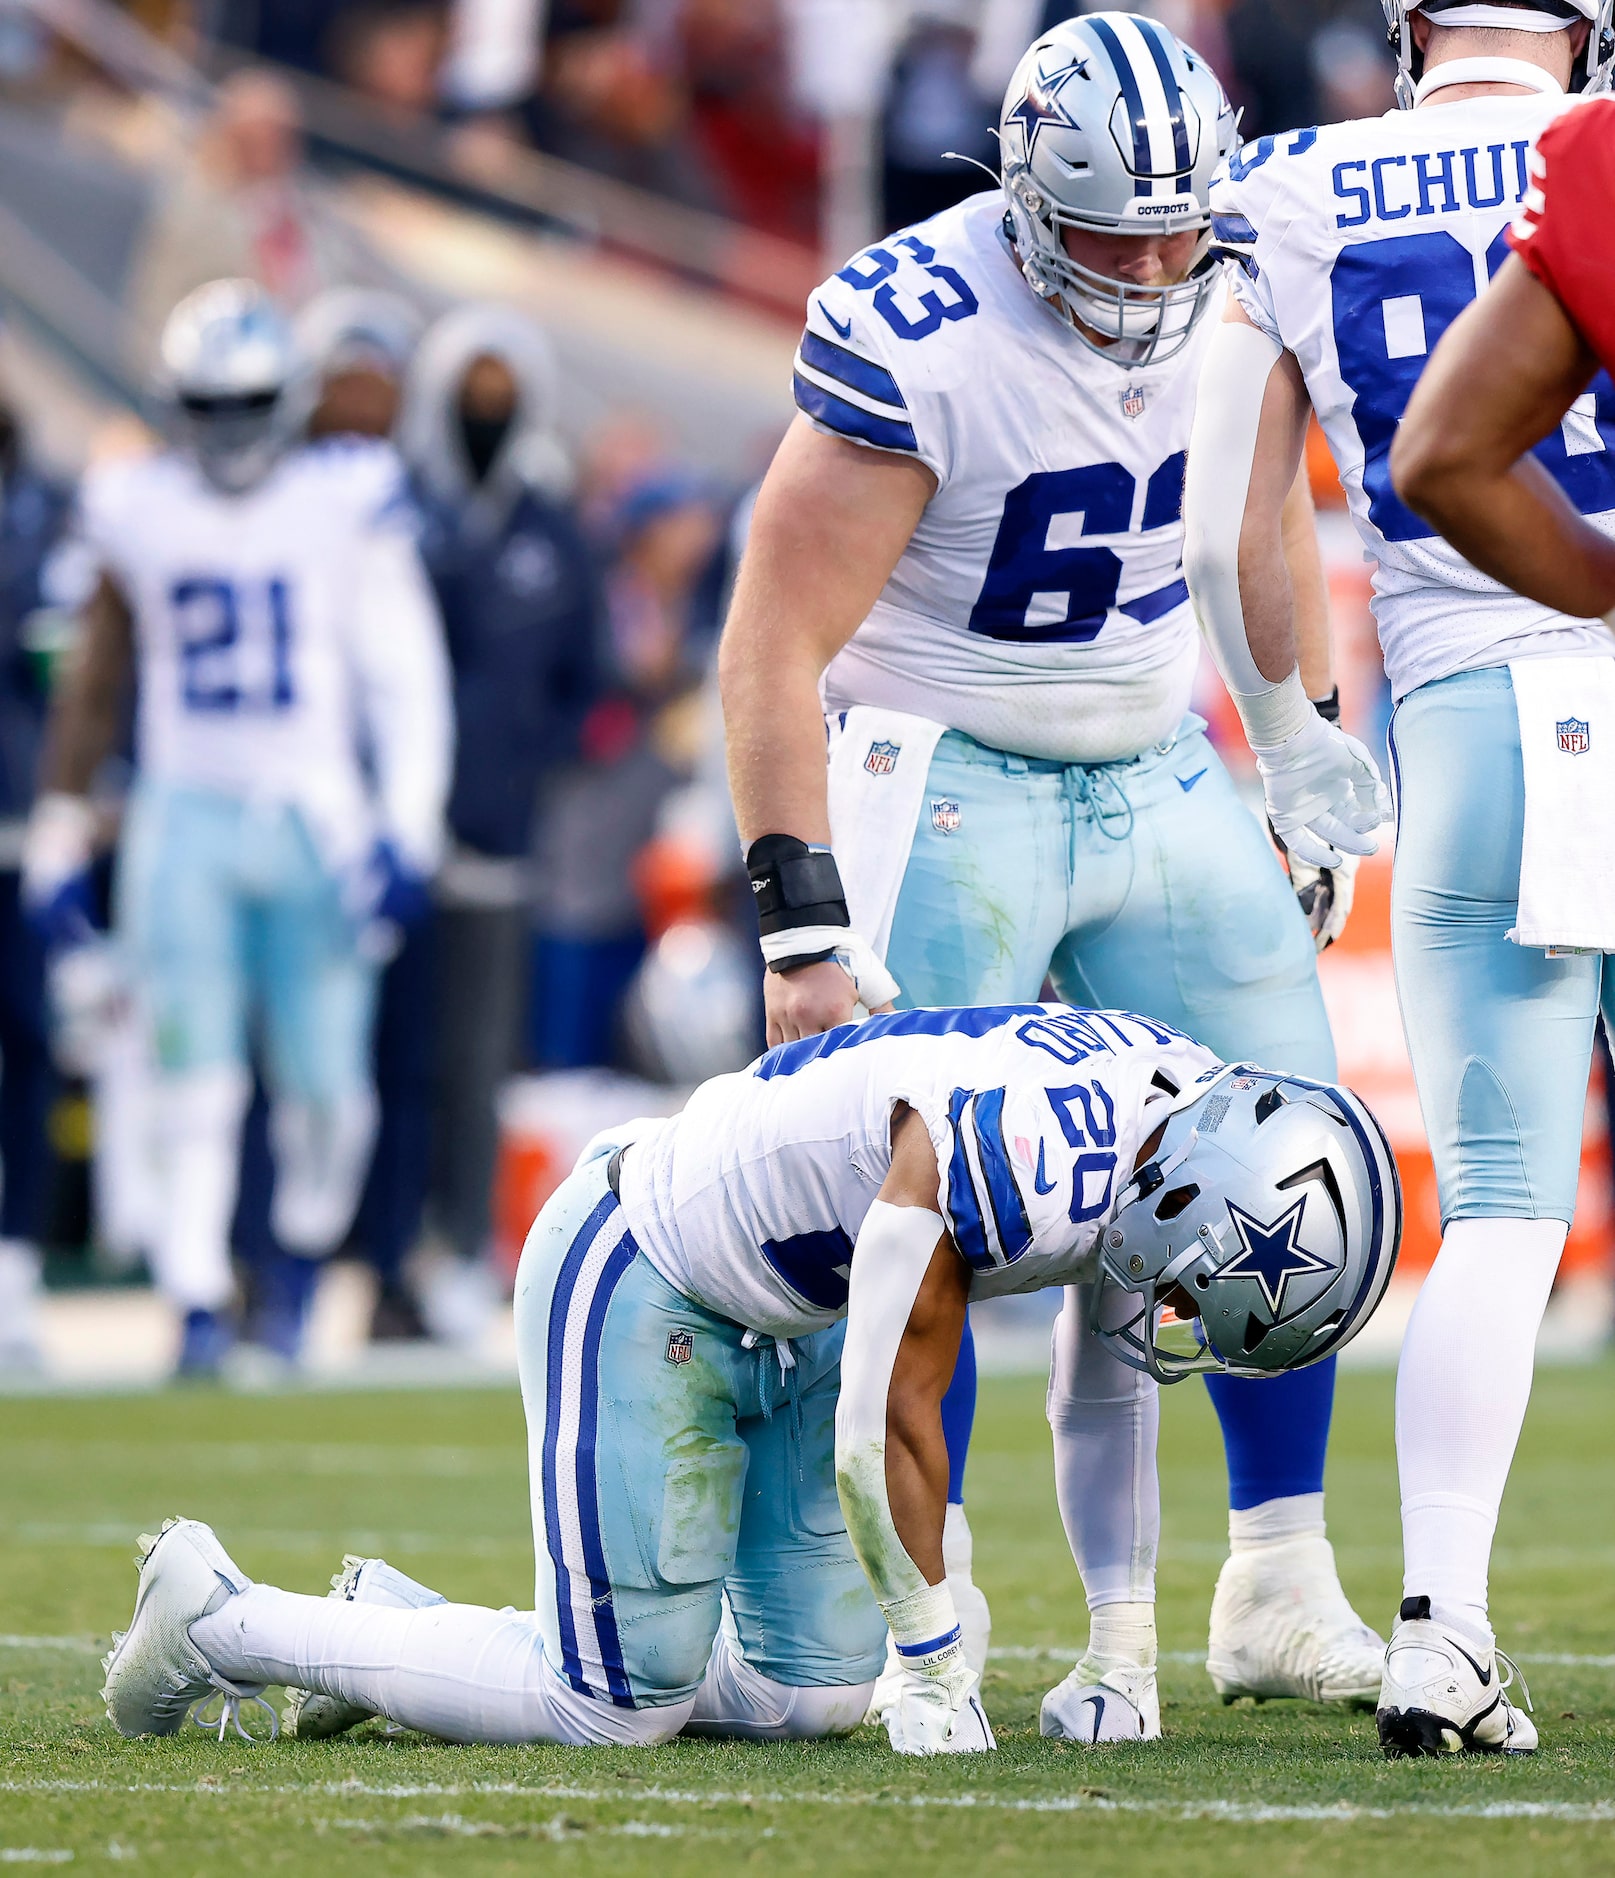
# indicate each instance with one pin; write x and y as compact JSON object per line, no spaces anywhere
{"x":845,"y":331}
{"x":1097,"y":1703}
{"x":1484,"y":1674}
{"x":1039,"y":1183}
{"x":1186,"y":783}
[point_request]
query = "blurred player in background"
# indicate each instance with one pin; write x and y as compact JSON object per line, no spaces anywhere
{"x":1358,"y":246}
{"x":33,"y":563}
{"x":968,"y":552}
{"x":1509,"y":372}
{"x":266,"y":599}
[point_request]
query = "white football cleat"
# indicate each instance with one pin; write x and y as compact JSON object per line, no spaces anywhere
{"x":1281,"y":1626}
{"x":155,"y":1674}
{"x":1096,"y":1706}
{"x":926,"y":1719}
{"x":1445,"y":1694}
{"x":309,"y":1716}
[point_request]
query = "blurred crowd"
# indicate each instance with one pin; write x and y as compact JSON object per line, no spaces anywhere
{"x":726,"y":105}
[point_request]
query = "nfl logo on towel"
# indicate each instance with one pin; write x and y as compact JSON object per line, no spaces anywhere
{"x":945,"y":817}
{"x":882,"y":758}
{"x":1133,"y":402}
{"x":680,"y":1346}
{"x":1575,"y":737}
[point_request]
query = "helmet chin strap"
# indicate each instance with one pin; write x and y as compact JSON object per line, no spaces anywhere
{"x":1485,"y":72}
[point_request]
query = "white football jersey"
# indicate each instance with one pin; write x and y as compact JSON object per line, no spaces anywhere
{"x":1359,"y":245}
{"x":1040,"y":606}
{"x":749,"y":1201}
{"x":248,"y":620}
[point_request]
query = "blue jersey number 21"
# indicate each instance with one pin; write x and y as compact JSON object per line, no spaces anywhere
{"x":235,"y":644}
{"x":1081,"y":583}
{"x":1393,"y":299}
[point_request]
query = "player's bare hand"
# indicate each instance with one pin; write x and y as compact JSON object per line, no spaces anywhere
{"x":811,"y":999}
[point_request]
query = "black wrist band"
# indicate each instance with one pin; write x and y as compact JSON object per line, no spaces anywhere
{"x":795,"y":885}
{"x":1328,"y":708}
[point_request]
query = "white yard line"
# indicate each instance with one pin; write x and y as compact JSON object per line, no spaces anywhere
{"x":1231,"y":1812}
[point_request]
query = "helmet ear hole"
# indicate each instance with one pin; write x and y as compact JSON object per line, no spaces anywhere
{"x":1174,"y":1204}
{"x":1255,"y":1331}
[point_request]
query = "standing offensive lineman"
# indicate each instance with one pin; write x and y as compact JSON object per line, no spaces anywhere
{"x":269,"y":599}
{"x":968,"y":553}
{"x":1360,"y":244}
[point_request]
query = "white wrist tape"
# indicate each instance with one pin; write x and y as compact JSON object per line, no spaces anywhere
{"x":889,"y":1263}
{"x":925,"y":1628}
{"x":1273,"y":715}
{"x":1222,"y":452}
{"x":856,"y":957}
{"x":59,"y":843}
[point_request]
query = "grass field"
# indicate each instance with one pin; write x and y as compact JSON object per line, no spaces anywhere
{"x":438,"y":1483}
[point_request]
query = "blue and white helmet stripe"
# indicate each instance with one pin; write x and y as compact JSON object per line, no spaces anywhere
{"x":1152,"y":104}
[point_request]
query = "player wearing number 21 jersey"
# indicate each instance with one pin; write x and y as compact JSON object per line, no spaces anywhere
{"x":292,"y":742}
{"x":998,"y":633}
{"x":1358,"y":245}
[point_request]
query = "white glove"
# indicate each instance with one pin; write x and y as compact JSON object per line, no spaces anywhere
{"x":856,"y":957}
{"x":1326,"y":895}
{"x":1325,"y":795}
{"x":939,"y":1714}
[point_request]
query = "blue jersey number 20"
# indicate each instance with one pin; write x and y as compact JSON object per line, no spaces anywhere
{"x":235,"y":644}
{"x":1393,"y":299}
{"x":1094,"y":501}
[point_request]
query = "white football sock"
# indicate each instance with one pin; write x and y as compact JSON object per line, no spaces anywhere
{"x":1105,"y":1417}
{"x":452,"y":1670}
{"x":1461,"y":1392}
{"x":199,"y":1116}
{"x":1295,"y":1516}
{"x":322,"y":1154}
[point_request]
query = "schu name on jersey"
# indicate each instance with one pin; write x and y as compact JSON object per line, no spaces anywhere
{"x":1400,"y":186}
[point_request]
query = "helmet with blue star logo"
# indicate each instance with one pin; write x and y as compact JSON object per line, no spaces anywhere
{"x":1114,"y":126}
{"x":1257,"y":1236}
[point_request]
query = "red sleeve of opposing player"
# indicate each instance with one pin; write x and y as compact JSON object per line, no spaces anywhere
{"x":1565,"y":233}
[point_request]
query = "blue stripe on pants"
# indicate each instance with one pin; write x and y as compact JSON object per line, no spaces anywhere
{"x":600,"y":1600}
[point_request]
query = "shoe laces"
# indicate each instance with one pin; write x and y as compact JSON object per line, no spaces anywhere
{"x":231,"y":1698}
{"x":1514,"y":1675}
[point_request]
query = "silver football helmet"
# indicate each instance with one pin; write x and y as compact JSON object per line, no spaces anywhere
{"x":235,"y":386}
{"x":1595,"y":67}
{"x":1113,"y":125}
{"x":692,"y":1010}
{"x":1259,"y":1236}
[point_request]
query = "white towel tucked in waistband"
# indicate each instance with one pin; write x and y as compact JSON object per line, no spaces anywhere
{"x":879,"y":762}
{"x":1567,"y":869}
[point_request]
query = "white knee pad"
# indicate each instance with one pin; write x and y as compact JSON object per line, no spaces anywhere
{"x":199,"y":1115}
{"x":322,"y":1154}
{"x":739,"y":1703}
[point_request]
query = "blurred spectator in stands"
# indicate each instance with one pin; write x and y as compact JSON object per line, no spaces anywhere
{"x":520,"y":599}
{"x":933,"y":105}
{"x":243,"y":210}
{"x":761,"y":149}
{"x":661,"y":533}
{"x":609,"y":103}
{"x":392,"y":52}
{"x":359,"y":341}
{"x":290,"y":32}
{"x":37,"y":601}
{"x":1352,"y":67}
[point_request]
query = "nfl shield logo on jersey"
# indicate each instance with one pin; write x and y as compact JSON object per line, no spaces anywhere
{"x":882,"y":758}
{"x":945,"y":817}
{"x":1133,"y":402}
{"x":1575,"y":737}
{"x":680,"y":1346}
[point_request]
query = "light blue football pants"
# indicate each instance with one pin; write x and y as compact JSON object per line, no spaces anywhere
{"x":232,"y":919}
{"x":1500,"y":1035}
{"x":1148,"y":886}
{"x":672,"y":1468}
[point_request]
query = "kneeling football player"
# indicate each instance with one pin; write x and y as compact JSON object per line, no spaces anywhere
{"x":735,"y":1330}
